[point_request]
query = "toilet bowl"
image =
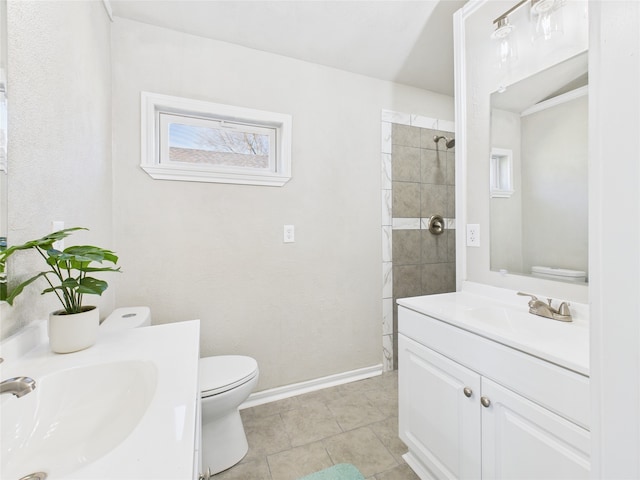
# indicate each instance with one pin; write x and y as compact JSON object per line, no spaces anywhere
{"x":225,"y":382}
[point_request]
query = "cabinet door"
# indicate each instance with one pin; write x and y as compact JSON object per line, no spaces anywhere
{"x":438,"y":421}
{"x":521,"y":439}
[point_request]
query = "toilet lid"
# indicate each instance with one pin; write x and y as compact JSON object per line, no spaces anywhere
{"x":224,"y":372}
{"x":126,"y":318}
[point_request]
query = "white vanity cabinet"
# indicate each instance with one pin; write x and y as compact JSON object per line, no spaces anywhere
{"x":471,"y":407}
{"x":438,"y":421}
{"x":521,"y":439}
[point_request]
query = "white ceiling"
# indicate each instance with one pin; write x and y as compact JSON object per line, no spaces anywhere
{"x":560,"y":78}
{"x":405,"y":41}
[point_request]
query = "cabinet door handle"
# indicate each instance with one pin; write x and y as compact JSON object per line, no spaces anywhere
{"x":485,"y":401}
{"x":467,"y":392}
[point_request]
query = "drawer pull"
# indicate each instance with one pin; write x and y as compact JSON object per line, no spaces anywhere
{"x":467,"y":392}
{"x":485,"y":401}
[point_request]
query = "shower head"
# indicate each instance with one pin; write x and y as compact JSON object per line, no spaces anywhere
{"x":449,"y":142}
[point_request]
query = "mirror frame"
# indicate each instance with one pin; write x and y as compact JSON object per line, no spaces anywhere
{"x":473,"y":264}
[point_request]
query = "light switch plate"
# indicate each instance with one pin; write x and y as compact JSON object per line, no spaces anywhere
{"x":289,"y":234}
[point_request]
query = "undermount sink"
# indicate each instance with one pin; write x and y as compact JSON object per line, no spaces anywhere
{"x":74,"y":417}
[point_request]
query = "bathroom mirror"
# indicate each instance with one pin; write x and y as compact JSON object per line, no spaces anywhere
{"x":542,"y":120}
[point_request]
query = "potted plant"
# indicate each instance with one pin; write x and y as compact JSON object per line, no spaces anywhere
{"x":75,"y":326}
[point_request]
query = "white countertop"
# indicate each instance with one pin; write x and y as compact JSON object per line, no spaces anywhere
{"x":502,"y":316}
{"x":162,"y":444}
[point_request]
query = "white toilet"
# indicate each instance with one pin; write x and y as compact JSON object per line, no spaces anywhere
{"x":225,"y":382}
{"x":562,"y":274}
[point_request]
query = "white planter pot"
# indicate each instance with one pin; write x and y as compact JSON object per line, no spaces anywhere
{"x":77,"y":331}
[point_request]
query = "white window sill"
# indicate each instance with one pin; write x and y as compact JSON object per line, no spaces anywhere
{"x":189,"y":174}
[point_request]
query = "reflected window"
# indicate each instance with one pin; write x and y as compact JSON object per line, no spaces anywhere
{"x":501,"y":173}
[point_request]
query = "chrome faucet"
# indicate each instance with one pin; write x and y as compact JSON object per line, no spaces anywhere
{"x":538,"y":307}
{"x":18,"y":386}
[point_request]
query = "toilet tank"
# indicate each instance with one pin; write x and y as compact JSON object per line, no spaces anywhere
{"x":127,"y":317}
{"x":563,"y":274}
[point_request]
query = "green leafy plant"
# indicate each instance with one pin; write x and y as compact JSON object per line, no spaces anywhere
{"x":69,"y":269}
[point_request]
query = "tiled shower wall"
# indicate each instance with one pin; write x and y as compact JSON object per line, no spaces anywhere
{"x":418,"y":181}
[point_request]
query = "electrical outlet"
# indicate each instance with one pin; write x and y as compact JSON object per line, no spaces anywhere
{"x":289,"y":234}
{"x":473,"y":235}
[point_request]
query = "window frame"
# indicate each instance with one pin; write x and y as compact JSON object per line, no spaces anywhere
{"x":154,"y":155}
{"x":501,"y":173}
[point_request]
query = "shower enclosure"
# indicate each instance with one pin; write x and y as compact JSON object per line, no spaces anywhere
{"x":418,"y":183}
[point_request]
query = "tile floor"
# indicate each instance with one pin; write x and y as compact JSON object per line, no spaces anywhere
{"x":353,"y":423}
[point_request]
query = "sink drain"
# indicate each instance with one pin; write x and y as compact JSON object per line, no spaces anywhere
{"x":35,"y":476}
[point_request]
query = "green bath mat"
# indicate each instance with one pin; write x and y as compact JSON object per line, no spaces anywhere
{"x":342,"y":471}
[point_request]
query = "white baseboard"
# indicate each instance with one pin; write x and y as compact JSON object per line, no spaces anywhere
{"x":294,"y":389}
{"x":417,"y":466}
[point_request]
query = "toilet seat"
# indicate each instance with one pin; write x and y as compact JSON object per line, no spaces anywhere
{"x":221,"y":373}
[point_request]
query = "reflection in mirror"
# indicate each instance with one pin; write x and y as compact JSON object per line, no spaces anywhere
{"x":540,"y":229}
{"x":501,"y":175}
{"x":3,"y":143}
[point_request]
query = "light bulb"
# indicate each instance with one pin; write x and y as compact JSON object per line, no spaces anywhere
{"x":546,"y":18}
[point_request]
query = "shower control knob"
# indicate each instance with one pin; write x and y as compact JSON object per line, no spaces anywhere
{"x":467,"y":392}
{"x":436,"y":224}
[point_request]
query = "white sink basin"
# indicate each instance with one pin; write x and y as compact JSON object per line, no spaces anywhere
{"x":74,"y":417}
{"x":505,"y":319}
{"x":494,"y":316}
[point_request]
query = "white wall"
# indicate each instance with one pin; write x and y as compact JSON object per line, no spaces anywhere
{"x":215,"y":251}
{"x":555,"y":203}
{"x":59,"y":136}
{"x":614,"y":237}
{"x":505,"y":231}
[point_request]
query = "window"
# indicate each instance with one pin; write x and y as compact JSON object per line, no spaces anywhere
{"x":198,"y":141}
{"x":501,"y":173}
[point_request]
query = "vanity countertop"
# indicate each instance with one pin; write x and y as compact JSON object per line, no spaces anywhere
{"x":505,"y":318}
{"x":162,"y":444}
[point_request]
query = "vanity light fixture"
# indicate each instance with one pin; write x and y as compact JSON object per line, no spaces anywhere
{"x":503,"y":28}
{"x":507,"y":50}
{"x":503,"y":20}
{"x":545,"y":17}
